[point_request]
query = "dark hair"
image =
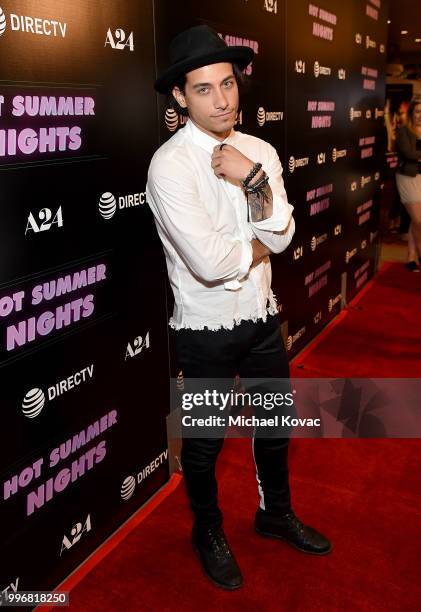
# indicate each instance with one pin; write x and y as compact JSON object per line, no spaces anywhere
{"x":243,"y":84}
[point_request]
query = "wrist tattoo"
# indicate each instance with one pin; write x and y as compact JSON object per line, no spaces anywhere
{"x":260,"y":203}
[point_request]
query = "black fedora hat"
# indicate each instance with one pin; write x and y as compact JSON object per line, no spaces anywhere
{"x":196,"y":47}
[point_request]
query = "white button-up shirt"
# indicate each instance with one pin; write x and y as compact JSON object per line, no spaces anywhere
{"x":202,"y":222}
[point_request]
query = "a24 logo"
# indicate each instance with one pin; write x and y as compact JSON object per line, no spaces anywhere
{"x":119,"y":40}
{"x":45,"y":220}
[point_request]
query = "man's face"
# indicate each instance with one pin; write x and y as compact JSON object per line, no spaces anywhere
{"x":211,"y":97}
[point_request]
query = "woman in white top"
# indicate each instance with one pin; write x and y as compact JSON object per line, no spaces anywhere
{"x":408,"y":178}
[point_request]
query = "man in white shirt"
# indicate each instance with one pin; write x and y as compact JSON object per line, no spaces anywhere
{"x":221,"y":209}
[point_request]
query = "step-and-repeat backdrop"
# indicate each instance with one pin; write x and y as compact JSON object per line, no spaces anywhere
{"x":317,"y":95}
{"x":84,"y":296}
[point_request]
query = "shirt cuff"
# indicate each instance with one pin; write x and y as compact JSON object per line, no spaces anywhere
{"x":246,"y":259}
{"x":245,"y":263}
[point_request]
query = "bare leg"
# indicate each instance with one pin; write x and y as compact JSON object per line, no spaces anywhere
{"x":412,"y":250}
{"x":414,"y":211}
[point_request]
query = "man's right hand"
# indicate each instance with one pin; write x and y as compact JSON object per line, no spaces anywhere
{"x":260,"y":251}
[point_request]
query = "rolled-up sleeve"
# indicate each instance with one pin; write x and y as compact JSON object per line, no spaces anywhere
{"x":176,"y":203}
{"x":276,"y":231}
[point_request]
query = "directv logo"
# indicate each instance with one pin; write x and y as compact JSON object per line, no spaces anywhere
{"x":108,"y":202}
{"x":354,"y":113}
{"x":171,"y":119}
{"x":2,"y":22}
{"x":35,"y":399}
{"x":297,"y":163}
{"x":32,"y":25}
{"x":318,"y":70}
{"x":130,"y":482}
{"x":261,"y":116}
{"x":336,"y":153}
{"x":128,"y":487}
{"x":333,"y":301}
{"x":180,"y":381}
{"x":107,"y":205}
{"x":33,"y":403}
{"x":291,"y":339}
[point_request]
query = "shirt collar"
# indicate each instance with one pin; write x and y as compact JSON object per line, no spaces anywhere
{"x":203,"y":140}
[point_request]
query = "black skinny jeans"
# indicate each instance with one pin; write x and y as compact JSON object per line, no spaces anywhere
{"x":252,"y":350}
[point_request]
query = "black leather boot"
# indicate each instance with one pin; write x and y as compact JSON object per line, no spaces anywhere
{"x":216,"y":557}
{"x":289,"y":528}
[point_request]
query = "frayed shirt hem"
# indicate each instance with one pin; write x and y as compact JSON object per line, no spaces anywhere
{"x":271,"y":310}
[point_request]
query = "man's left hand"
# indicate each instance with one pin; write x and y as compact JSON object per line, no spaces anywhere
{"x":230,"y":163}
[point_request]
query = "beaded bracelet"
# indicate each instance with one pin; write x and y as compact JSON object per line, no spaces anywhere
{"x":260,"y":184}
{"x":252,"y":174}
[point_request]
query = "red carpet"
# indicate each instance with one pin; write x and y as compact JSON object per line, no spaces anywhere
{"x":364,"y":494}
{"x":378,"y":335}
